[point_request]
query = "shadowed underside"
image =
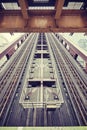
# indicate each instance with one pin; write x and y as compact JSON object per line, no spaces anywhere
{"x":56,"y":20}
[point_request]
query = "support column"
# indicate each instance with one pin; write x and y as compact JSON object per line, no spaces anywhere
{"x":7,"y":56}
{"x":10,"y":53}
{"x":65,"y":45}
{"x":73,"y":53}
{"x":22,"y":41}
{"x":24,"y":8}
{"x":17,"y":45}
{"x":62,"y":41}
{"x":58,"y":7}
{"x":27,"y":35}
{"x":75,"y":56}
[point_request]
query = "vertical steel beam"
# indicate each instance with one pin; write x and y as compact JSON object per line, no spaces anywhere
{"x":58,"y":6}
{"x":24,"y":8}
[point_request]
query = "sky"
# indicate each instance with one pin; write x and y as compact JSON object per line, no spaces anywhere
{"x":6,"y":39}
{"x":77,"y":39}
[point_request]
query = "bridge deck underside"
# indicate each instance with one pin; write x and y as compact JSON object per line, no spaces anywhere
{"x":44,"y":21}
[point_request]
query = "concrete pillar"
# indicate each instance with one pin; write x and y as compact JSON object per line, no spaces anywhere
{"x":75,"y":56}
{"x":19,"y":42}
{"x":57,"y":36}
{"x":17,"y":45}
{"x":22,"y":41}
{"x":10,"y":53}
{"x":65,"y":45}
{"x":24,"y":38}
{"x":7,"y":56}
{"x":73,"y":53}
{"x":27,"y":35}
{"x":63,"y":42}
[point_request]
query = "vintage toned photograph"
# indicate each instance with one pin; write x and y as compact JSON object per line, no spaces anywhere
{"x":43,"y":64}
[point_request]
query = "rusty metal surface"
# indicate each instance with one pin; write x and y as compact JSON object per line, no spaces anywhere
{"x":44,"y":21}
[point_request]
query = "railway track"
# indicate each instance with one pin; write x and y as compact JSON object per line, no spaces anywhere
{"x":12,"y":75}
{"x":76,"y":85}
{"x":36,"y":117}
